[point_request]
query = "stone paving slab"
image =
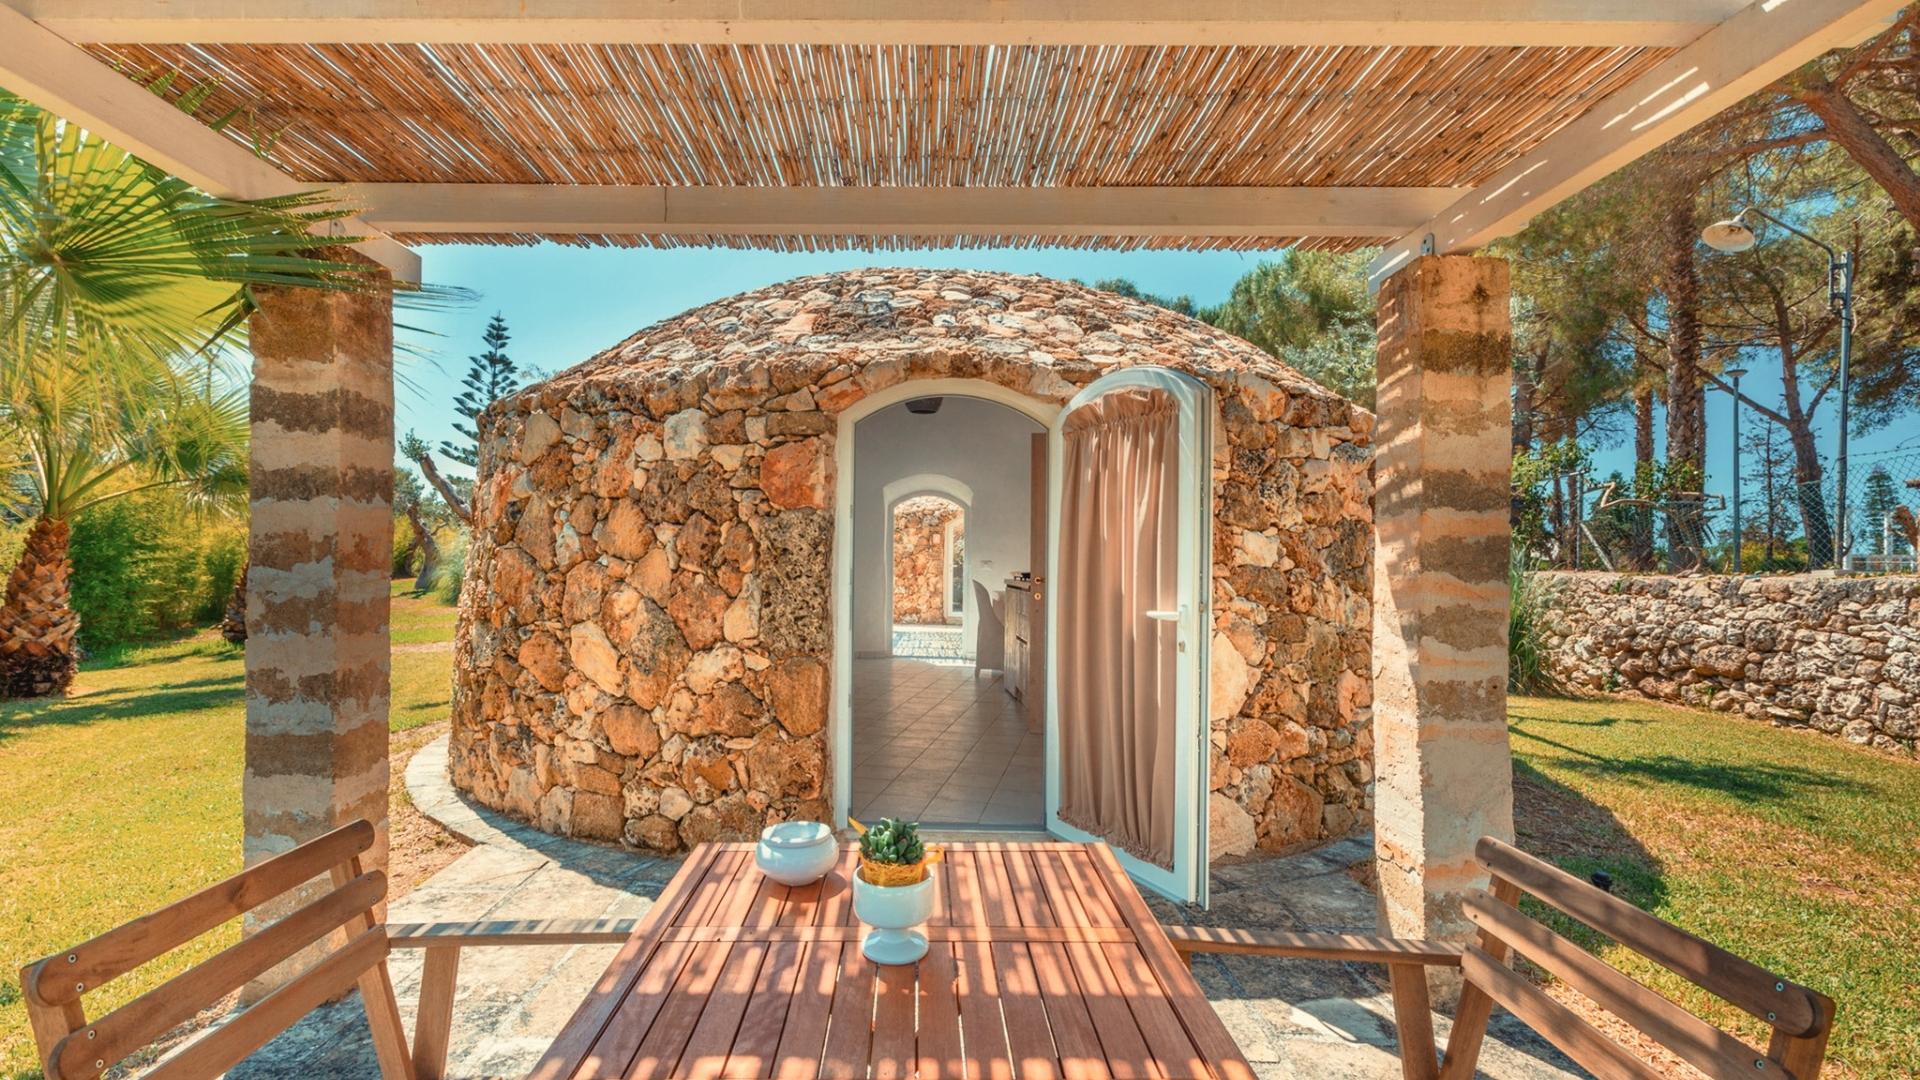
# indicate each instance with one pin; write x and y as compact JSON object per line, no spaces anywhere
{"x":1293,"y":1018}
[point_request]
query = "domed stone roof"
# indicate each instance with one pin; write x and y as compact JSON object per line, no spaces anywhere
{"x":967,"y":323}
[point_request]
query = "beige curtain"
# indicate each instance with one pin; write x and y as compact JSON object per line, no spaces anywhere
{"x":1118,"y":548}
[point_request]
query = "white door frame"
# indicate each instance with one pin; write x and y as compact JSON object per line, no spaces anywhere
{"x":1188,"y":878}
{"x":840,"y":710}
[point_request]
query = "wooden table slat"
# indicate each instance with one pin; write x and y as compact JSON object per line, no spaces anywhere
{"x":1166,"y":1039}
{"x":1074,"y":1038}
{"x":805,"y":1035}
{"x":933,"y":933}
{"x":712,"y":1041}
{"x":611,"y":991}
{"x":939,"y":1044}
{"x":1044,"y":964}
{"x":1088,"y":884}
{"x":1195,"y":1012}
{"x":758,"y":1040}
{"x":996,"y":890}
{"x":634,"y":1018}
{"x":1025,"y":1015}
{"x":893,"y":1052}
{"x":982,"y":1031}
{"x":1029,"y":898}
{"x":1113,"y":1022}
{"x":850,"y":1026}
{"x":659,"y":1052}
{"x":1059,"y":891}
{"x":968,"y":908}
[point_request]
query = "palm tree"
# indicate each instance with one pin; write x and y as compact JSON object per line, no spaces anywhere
{"x":86,"y":445}
{"x":121,"y":292}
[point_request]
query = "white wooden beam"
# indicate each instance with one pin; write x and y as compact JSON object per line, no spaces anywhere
{"x":1760,"y":44}
{"x":896,"y":211}
{"x":38,"y":65}
{"x":1667,"y":23}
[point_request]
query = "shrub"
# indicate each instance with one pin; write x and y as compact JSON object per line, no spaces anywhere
{"x":146,"y":565}
{"x":403,"y":552}
{"x":452,"y":568}
{"x":1527,"y":671}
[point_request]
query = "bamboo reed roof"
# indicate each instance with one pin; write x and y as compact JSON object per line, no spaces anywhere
{"x":977,"y":116}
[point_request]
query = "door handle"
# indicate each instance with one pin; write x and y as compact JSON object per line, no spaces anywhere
{"x":1164,"y":616}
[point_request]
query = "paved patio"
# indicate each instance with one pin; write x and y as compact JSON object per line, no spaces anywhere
{"x":1305,"y":1019}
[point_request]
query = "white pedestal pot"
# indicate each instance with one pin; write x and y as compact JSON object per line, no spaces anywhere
{"x":796,"y":852}
{"x":893,"y":911}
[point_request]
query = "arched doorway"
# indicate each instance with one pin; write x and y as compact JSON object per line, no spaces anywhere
{"x":927,"y":563}
{"x":936,"y":514}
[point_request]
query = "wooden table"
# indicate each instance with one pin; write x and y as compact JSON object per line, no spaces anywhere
{"x":1045,"y":962}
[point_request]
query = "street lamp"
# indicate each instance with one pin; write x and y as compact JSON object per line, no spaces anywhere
{"x":1735,"y":235}
{"x":1739,"y":538}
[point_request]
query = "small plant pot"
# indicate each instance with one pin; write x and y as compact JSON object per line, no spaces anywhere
{"x":893,"y":911}
{"x":796,"y":852}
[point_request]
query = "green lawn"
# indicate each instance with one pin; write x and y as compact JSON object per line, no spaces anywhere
{"x":1792,"y":849}
{"x":127,"y":794}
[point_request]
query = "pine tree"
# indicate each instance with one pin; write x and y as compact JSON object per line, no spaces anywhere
{"x":1874,"y":510}
{"x":1771,"y":494}
{"x":490,"y":376}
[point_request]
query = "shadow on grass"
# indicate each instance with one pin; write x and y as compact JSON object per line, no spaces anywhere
{"x":123,"y":703}
{"x":1583,"y":838}
{"x":150,"y":654}
{"x":1750,"y":781}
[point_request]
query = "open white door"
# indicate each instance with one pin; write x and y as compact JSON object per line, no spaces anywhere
{"x":1129,"y":514}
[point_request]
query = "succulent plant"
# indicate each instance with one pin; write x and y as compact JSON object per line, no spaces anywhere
{"x":893,"y":841}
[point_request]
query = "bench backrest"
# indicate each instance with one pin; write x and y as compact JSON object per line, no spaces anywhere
{"x":1800,"y":1019}
{"x":73,"y":1046}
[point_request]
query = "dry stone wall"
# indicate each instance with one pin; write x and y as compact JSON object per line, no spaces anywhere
{"x":1840,"y":655}
{"x":645,"y":637}
{"x":920,"y":561}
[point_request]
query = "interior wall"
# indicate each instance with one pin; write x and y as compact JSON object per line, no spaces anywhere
{"x":978,"y":443}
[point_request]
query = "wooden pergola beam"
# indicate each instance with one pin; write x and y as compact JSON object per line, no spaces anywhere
{"x":1659,"y":23}
{"x":38,"y":65}
{"x":1760,"y":44}
{"x":896,"y":211}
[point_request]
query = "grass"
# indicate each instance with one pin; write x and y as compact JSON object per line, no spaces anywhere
{"x":127,"y":795}
{"x":1789,"y":848}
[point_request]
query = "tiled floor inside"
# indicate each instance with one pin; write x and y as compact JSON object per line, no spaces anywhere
{"x":936,"y":743}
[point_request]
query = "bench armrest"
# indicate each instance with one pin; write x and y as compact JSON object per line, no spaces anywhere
{"x":510,"y":932}
{"x":1365,"y":948}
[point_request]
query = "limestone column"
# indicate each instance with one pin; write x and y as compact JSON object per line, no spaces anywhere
{"x":321,"y":507}
{"x":1443,"y":768}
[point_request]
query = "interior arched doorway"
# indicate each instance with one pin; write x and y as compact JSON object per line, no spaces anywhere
{"x":923,"y":725}
{"x":925,"y":522}
{"x":928,"y":578}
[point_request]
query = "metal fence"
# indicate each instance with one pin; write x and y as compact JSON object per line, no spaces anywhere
{"x":1680,"y":532}
{"x":1883,"y":504}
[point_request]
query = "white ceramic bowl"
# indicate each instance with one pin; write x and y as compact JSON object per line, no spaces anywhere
{"x":893,"y":911}
{"x":796,"y":852}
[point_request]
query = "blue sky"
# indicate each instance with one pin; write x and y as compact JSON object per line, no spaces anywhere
{"x":564,"y":304}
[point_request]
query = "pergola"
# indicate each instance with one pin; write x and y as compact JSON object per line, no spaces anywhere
{"x":1430,"y":128}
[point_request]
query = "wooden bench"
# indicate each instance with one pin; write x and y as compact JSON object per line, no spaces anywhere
{"x":1800,"y":1019}
{"x":340,"y":920}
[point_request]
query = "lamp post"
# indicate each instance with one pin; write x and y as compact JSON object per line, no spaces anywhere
{"x":1735,"y":235}
{"x":1739,"y":538}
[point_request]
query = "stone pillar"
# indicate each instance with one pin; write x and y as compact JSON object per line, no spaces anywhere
{"x":1444,"y":773}
{"x":321,"y":512}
